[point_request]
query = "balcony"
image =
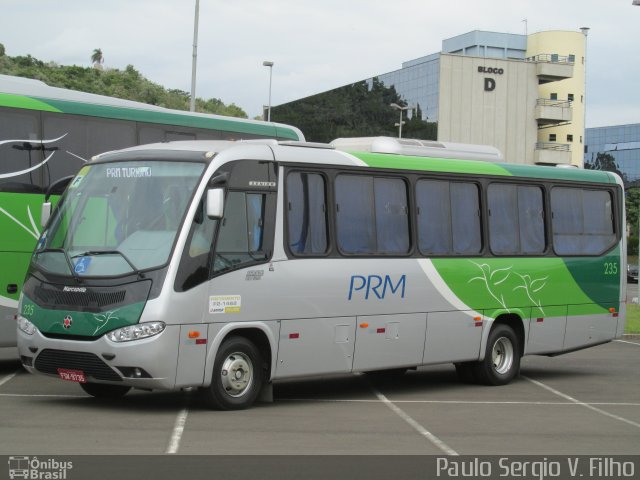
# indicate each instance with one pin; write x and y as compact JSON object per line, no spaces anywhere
{"x":551,"y":67}
{"x":550,"y":153}
{"x":550,"y":112}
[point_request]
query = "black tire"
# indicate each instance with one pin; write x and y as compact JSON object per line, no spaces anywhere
{"x":501,"y":362}
{"x":102,"y":390}
{"x":240,"y":356}
{"x":465,"y":372}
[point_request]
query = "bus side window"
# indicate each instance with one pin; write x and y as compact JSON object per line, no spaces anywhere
{"x":241,"y":237}
{"x":194,"y":264}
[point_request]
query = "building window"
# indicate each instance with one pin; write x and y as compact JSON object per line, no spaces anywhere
{"x":553,"y":96}
{"x":569,"y":138}
{"x":572,"y":58}
{"x":570,"y":97}
{"x":580,"y":138}
{"x":552,"y":137}
{"x":581,"y":98}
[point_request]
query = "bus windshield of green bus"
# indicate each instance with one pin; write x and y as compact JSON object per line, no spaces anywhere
{"x":118,"y":218}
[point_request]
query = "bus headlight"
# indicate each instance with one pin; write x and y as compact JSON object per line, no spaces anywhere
{"x":26,"y":326}
{"x":136,"y":332}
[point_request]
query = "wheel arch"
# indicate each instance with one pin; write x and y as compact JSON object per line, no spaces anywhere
{"x":511,"y":319}
{"x":258,"y":333}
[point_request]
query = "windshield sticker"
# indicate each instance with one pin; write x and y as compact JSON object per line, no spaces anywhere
{"x":225,"y":304}
{"x":81,"y":265}
{"x":76,"y":182}
{"x":128,"y":172}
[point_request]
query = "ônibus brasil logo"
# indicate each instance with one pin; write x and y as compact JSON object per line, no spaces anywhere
{"x":66,"y":323}
{"x":32,"y":468}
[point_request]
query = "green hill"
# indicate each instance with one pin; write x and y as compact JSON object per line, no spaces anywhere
{"x":127,"y":84}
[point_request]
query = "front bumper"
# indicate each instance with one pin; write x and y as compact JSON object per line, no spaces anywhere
{"x":104,"y":361}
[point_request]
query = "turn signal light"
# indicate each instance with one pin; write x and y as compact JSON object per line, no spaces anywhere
{"x":194,"y":334}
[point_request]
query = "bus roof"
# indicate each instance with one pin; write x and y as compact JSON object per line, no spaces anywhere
{"x":29,"y":94}
{"x":326,"y":154}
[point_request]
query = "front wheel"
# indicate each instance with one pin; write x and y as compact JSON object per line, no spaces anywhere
{"x":237,"y":375}
{"x":501,"y":362}
{"x":102,"y":390}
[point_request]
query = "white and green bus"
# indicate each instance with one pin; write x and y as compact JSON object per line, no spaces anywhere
{"x":229,"y":265}
{"x":47,"y":133}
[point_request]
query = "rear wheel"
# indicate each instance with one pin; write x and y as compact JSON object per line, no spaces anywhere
{"x":102,"y":390}
{"x":501,"y":362}
{"x":237,"y":375}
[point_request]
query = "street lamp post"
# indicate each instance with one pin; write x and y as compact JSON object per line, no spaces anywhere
{"x":192,"y":103}
{"x":269,"y":64}
{"x":399,"y":125}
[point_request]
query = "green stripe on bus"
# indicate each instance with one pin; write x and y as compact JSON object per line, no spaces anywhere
{"x":28,"y":103}
{"x":478,"y":167}
{"x":147,"y":116}
{"x":85,"y":324}
{"x":401,"y":162}
{"x":508,"y":284}
{"x":556,"y":173}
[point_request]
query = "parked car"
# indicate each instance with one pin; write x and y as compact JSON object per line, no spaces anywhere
{"x":632,"y":273}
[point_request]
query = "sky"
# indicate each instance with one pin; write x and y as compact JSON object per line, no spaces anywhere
{"x":315,"y":45}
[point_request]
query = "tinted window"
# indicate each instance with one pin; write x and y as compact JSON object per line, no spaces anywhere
{"x":355,"y":217}
{"x":372,"y":215}
{"x":82,"y":138}
{"x":392,"y":215}
{"x":516,"y":222}
{"x":240,"y":239}
{"x":434,"y":217}
{"x":307,"y":213}
{"x":20,"y":150}
{"x":465,"y":218}
{"x":449,"y":217}
{"x":582,"y":221}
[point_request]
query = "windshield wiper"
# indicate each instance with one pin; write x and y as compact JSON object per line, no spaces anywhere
{"x":66,"y":256}
{"x":91,"y":253}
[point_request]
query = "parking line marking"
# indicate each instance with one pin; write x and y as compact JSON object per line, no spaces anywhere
{"x":9,"y":377}
{"x":630,"y":343}
{"x":40,"y":395}
{"x":578,"y":402}
{"x":456,"y":402}
{"x":419,"y":428}
{"x":178,"y":430}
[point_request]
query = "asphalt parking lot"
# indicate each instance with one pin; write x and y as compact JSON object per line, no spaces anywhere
{"x":586,"y":402}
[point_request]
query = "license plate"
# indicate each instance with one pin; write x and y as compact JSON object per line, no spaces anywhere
{"x":72,"y":375}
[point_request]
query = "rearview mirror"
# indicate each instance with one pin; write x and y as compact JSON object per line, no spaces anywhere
{"x":45,"y":213}
{"x":215,"y":203}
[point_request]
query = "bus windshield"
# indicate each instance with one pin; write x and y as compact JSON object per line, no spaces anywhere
{"x":118,"y":218}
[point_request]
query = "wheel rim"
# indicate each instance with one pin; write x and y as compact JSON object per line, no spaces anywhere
{"x":237,"y":374}
{"x":502,"y":355}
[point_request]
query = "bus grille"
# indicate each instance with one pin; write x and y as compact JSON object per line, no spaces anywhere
{"x":77,"y":299}
{"x":49,"y":361}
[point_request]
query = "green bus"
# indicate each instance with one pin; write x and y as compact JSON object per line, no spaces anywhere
{"x":47,"y":134}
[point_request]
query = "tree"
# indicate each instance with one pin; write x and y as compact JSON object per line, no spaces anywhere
{"x":605,"y":162}
{"x":2,"y":50}
{"x":97,"y":58}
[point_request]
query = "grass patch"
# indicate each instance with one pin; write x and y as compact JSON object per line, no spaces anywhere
{"x":633,"y":319}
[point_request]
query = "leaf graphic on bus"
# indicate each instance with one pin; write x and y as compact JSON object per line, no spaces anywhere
{"x":103,"y":319}
{"x":501,"y":275}
{"x":33,"y":231}
{"x":532,"y":286}
{"x":539,"y":284}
